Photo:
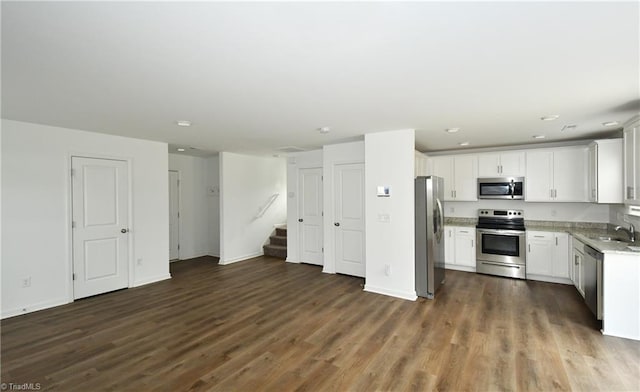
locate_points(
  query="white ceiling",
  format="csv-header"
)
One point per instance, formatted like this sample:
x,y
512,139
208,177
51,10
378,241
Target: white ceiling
x,y
255,77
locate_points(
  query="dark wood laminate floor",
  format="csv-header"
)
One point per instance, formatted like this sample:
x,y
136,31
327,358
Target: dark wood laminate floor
x,y
264,324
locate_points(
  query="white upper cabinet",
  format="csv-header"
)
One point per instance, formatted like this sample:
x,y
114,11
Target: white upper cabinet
x,y
538,183
460,173
570,174
558,174
606,171
420,164
631,142
506,164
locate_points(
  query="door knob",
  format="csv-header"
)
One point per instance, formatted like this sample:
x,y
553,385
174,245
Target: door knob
x,y
123,231
300,220
337,224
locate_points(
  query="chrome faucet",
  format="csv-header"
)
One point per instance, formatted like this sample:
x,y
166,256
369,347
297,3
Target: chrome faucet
x,y
631,231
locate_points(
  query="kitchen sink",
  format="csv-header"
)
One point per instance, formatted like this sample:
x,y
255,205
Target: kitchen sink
x,y
609,239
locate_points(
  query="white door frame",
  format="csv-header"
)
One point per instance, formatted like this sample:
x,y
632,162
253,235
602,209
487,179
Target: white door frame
x,y
299,245
179,212
335,218
69,200
330,211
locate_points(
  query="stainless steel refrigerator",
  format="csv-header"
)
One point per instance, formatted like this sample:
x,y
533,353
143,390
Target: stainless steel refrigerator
x,y
429,196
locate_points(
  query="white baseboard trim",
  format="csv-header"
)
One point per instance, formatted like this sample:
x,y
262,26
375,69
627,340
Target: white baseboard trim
x,y
240,258
288,260
550,279
408,295
150,280
459,268
34,307
193,255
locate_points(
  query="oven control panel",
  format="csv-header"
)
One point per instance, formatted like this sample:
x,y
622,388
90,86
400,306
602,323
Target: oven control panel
x,y
502,214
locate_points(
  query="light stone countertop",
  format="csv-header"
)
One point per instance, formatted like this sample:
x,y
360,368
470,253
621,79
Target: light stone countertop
x,y
583,231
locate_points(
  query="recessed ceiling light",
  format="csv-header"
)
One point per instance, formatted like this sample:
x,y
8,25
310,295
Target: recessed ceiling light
x,y
463,144
184,123
452,130
539,136
570,126
324,129
550,117
181,150
610,123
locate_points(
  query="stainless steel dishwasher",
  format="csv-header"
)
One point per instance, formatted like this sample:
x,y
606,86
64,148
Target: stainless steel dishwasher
x,y
593,280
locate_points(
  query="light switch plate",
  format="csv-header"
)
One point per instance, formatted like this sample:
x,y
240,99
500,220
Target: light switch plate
x,y
384,191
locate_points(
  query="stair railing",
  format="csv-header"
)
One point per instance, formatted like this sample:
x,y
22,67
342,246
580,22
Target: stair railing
x,y
268,204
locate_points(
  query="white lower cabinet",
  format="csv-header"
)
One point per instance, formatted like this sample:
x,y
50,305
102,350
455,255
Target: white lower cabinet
x,y
577,265
460,248
548,256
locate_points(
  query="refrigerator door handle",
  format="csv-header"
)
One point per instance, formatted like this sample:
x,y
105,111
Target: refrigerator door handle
x,y
438,220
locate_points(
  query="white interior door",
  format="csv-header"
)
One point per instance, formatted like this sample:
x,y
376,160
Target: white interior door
x,y
310,220
174,215
100,204
349,219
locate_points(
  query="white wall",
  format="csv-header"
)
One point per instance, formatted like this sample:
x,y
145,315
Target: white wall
x,y
246,184
389,161
213,204
194,219
332,155
295,162
36,206
565,212
619,216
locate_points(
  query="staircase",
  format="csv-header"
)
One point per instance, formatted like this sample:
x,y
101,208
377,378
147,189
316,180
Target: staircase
x,y
277,246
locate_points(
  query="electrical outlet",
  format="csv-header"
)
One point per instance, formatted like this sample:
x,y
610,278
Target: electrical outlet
x,y
387,269
139,261
26,282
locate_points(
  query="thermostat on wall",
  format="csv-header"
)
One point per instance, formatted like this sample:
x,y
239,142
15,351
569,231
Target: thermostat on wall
x,y
384,191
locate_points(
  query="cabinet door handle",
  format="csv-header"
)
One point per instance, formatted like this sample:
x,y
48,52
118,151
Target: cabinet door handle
x,y
463,231
529,248
472,243
538,236
556,241
551,193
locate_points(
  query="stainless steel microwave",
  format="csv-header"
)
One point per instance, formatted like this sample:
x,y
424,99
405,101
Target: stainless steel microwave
x,y
509,188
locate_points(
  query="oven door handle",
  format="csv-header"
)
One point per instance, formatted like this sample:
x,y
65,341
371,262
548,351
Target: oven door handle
x,y
498,231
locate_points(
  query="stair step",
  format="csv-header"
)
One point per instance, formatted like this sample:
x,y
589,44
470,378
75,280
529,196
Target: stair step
x,y
278,251
278,240
281,231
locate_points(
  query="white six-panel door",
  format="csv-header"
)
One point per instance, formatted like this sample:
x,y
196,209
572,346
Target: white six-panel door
x,y
174,215
100,210
310,219
349,219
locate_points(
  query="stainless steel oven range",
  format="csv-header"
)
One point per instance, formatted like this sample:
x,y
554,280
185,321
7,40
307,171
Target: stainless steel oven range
x,y
501,243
